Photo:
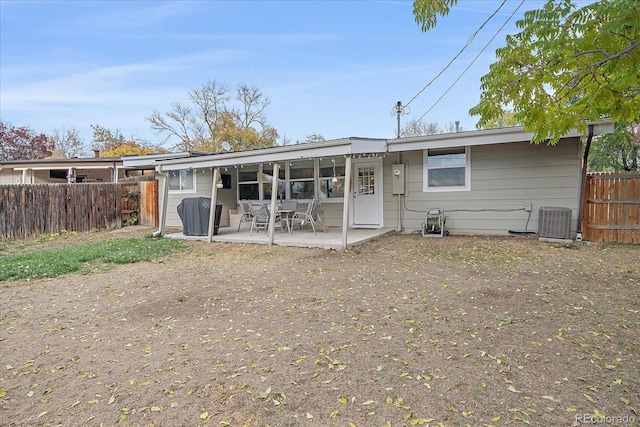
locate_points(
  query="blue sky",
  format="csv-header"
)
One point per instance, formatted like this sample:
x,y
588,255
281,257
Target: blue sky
x,y
336,68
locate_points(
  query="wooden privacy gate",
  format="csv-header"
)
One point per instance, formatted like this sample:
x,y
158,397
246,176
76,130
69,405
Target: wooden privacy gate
x,y
612,207
140,202
30,210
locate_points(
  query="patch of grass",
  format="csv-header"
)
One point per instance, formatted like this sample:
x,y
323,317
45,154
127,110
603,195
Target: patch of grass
x,y
55,262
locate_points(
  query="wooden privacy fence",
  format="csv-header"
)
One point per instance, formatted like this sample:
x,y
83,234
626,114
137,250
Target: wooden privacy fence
x,y
30,210
612,207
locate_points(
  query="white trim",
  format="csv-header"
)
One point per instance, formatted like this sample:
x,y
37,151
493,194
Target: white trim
x,y
425,174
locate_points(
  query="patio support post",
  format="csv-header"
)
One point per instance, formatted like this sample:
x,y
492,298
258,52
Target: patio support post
x,y
164,181
347,200
214,201
274,199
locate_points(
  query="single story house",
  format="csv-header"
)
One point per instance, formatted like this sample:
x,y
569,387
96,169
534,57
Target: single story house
x,y
489,182
52,171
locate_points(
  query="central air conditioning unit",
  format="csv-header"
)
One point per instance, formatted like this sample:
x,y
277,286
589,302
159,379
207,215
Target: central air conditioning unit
x,y
554,222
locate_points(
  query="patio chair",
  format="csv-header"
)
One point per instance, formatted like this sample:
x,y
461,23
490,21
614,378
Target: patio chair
x,y
260,218
247,216
312,216
289,205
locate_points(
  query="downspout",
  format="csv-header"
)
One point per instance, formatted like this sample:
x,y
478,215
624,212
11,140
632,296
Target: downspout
x,y
583,183
163,203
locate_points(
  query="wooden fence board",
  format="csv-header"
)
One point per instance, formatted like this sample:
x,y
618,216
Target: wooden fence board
x,y
612,207
30,210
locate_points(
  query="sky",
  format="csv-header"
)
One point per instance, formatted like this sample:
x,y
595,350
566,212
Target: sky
x,y
333,68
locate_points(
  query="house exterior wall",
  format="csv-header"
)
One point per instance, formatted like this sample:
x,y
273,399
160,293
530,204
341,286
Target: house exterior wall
x,y
204,177
503,178
10,176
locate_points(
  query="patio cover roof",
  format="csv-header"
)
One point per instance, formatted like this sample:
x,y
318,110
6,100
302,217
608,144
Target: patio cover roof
x,y
337,147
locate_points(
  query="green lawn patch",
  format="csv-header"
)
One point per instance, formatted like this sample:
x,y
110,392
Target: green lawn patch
x,y
55,262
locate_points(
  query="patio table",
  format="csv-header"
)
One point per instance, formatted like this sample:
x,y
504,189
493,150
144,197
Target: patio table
x,y
286,218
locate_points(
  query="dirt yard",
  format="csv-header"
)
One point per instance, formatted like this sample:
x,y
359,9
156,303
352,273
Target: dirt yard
x,y
401,331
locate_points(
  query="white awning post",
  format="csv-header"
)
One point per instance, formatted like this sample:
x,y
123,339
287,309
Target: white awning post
x,y
214,201
347,198
274,199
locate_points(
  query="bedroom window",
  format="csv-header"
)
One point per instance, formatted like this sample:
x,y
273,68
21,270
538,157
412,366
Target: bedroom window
x,y
446,169
182,180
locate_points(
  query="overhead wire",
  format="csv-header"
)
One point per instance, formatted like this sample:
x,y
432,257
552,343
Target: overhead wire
x,y
473,36
473,61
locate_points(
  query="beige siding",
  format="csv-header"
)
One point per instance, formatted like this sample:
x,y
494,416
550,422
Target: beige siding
x,y
503,177
9,176
203,189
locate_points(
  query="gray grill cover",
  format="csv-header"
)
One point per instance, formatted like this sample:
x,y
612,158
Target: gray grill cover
x,y
194,214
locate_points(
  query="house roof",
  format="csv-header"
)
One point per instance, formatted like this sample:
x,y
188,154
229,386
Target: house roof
x,y
336,147
479,137
47,164
343,147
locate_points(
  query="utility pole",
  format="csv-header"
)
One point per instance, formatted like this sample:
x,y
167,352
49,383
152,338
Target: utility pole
x,y
398,114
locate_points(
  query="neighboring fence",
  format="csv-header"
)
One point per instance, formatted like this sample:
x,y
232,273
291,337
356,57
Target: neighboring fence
x,y
30,210
612,207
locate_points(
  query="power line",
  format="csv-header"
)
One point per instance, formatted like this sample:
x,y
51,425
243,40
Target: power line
x,y
472,62
473,36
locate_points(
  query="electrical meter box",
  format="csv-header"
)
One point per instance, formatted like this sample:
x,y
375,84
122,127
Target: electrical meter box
x,y
397,180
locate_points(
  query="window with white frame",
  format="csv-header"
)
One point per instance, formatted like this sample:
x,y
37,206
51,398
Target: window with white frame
x,y
302,179
182,180
297,179
248,184
446,169
267,182
331,173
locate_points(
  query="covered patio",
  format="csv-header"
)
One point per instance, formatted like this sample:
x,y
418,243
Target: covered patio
x,y
305,173
331,238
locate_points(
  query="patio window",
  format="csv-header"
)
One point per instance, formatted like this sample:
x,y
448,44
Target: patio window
x,y
330,187
182,180
248,185
267,182
446,169
302,180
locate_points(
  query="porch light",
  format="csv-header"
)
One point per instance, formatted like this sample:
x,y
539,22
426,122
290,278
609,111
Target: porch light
x,y
335,178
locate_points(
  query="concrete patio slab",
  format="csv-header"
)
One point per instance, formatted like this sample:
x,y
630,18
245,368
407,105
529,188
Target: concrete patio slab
x,y
329,239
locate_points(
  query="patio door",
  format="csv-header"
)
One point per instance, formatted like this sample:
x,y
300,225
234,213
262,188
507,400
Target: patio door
x,y
367,194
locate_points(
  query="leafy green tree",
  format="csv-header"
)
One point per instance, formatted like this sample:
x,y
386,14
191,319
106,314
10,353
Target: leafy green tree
x,y
210,119
568,65
618,151
504,121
